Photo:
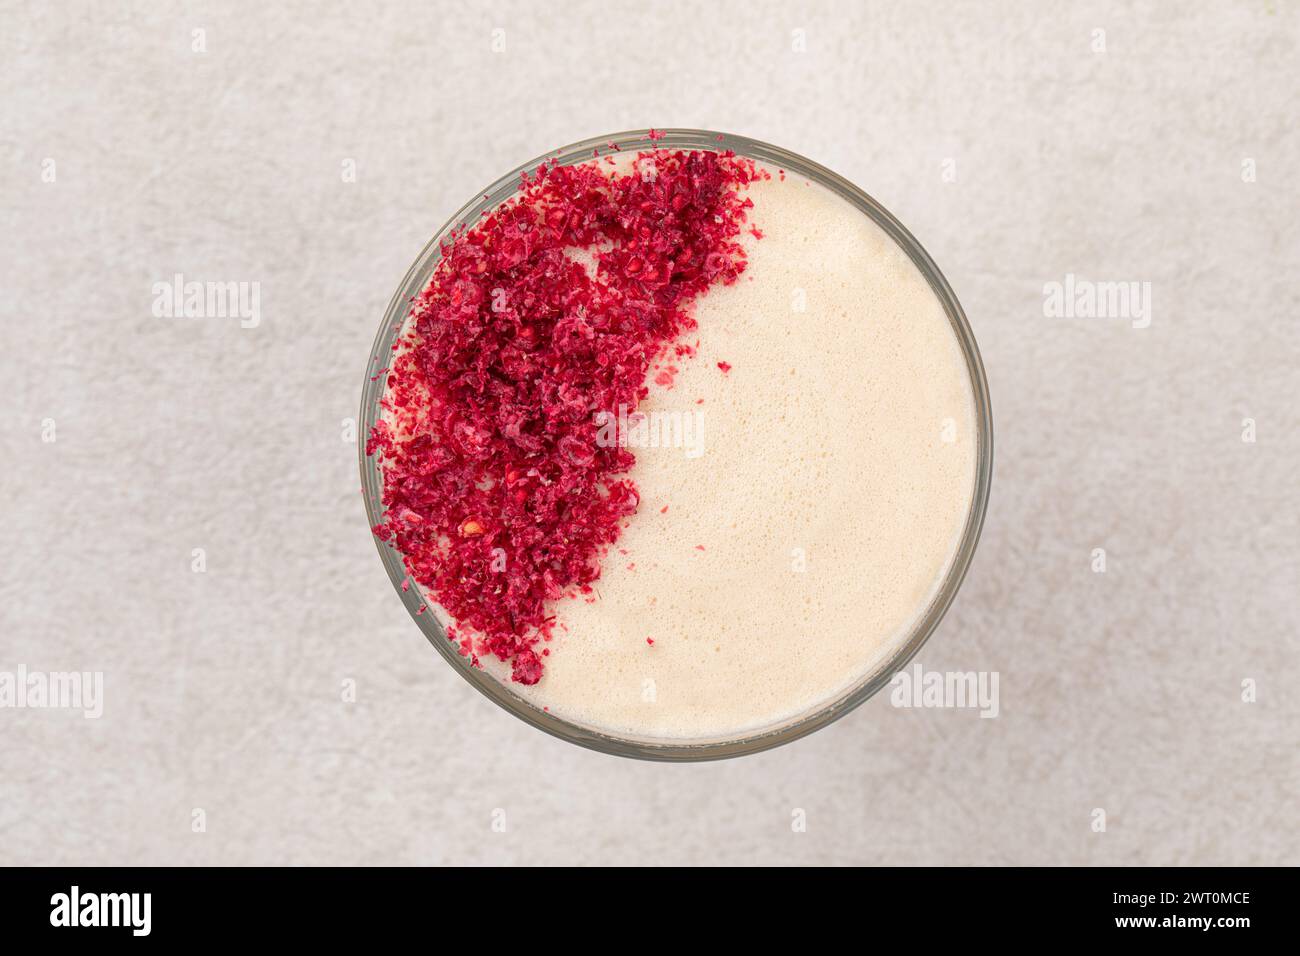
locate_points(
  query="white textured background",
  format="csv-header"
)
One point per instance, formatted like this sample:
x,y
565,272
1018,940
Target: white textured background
x,y
1119,690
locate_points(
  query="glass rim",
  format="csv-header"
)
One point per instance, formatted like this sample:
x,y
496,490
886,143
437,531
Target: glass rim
x,y
418,276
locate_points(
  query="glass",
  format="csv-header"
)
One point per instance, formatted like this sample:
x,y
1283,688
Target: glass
x,y
418,276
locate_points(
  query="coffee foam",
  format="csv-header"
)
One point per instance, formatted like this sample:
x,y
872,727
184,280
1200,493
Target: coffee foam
x,y
823,449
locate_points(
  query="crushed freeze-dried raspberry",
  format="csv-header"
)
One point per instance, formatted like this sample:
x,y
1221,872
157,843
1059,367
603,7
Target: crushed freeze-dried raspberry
x,y
725,366
496,490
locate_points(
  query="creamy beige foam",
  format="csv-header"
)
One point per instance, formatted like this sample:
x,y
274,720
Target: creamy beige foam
x,y
823,449
827,500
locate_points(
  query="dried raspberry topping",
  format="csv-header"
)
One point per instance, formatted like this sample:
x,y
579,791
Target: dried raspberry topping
x,y
496,490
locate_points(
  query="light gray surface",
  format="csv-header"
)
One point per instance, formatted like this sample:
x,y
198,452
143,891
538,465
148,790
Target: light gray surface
x,y
1119,691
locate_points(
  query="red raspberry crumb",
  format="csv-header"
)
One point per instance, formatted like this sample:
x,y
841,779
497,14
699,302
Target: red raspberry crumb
x,y
725,366
496,490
